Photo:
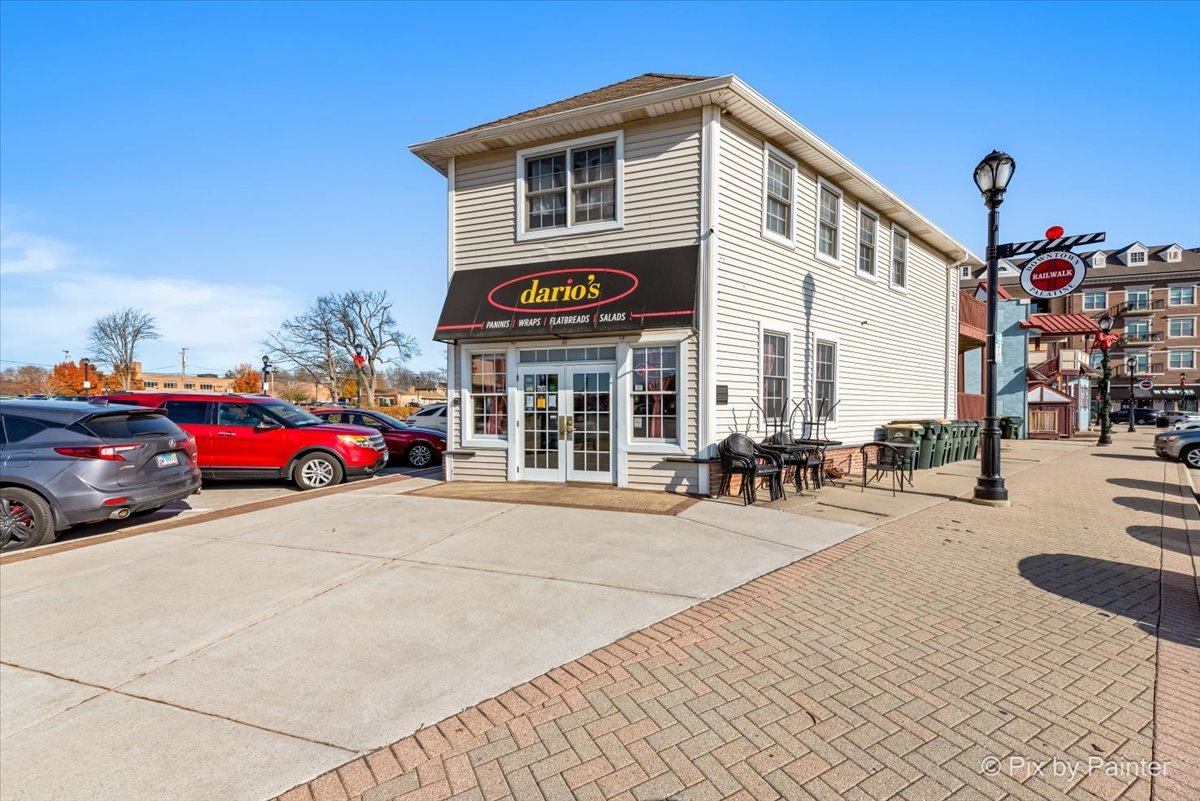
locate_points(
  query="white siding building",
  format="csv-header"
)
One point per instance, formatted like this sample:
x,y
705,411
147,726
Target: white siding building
x,y
638,271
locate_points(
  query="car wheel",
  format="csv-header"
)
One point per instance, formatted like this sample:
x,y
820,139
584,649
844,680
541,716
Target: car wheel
x,y
317,470
419,454
1191,457
25,519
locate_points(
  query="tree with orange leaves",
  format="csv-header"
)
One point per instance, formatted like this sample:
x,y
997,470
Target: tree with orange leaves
x,y
245,379
67,379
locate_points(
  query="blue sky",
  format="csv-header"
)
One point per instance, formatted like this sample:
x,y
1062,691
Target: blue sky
x,y
222,164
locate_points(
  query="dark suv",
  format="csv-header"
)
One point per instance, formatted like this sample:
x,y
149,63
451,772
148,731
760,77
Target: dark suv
x,y
63,463
255,436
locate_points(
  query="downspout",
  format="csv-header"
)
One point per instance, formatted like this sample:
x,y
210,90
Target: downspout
x,y
709,198
452,391
950,403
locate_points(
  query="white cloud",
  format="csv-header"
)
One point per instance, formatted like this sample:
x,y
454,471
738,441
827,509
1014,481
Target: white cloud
x,y
23,252
48,299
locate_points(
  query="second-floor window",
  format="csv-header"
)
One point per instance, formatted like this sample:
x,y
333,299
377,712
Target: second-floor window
x,y
1141,362
829,222
777,213
1183,295
899,258
1137,299
1095,300
575,187
1182,327
1137,330
1181,359
868,232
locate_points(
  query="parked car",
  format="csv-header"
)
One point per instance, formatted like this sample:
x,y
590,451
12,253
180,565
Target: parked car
x,y
64,463
419,447
1179,445
1168,419
1141,417
255,436
1186,425
431,416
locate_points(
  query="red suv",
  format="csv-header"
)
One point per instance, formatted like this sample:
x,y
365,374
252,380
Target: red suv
x,y
254,436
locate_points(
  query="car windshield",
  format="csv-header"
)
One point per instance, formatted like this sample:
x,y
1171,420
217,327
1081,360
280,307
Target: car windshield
x,y
292,415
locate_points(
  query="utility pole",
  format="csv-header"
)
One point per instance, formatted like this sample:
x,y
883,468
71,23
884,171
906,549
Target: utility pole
x,y
182,365
66,355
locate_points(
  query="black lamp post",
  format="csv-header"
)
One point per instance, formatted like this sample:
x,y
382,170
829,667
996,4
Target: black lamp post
x,y
1131,366
1106,323
266,375
359,361
87,383
992,176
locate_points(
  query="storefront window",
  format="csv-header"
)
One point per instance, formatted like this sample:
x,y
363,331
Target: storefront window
x,y
655,393
489,394
826,376
774,372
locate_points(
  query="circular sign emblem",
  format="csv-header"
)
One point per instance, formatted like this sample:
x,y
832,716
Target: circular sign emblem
x,y
1146,383
1053,274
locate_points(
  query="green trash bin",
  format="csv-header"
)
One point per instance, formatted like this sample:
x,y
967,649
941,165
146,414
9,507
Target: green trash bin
x,y
958,441
913,432
925,454
1006,427
1015,423
973,440
941,444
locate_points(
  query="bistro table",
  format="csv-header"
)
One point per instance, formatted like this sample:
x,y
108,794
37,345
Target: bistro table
x,y
794,453
900,457
820,446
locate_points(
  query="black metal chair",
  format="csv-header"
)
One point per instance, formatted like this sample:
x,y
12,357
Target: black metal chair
x,y
742,456
814,430
887,457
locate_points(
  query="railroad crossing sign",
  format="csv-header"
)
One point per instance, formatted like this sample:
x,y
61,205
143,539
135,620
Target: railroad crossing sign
x,y
1038,246
1146,384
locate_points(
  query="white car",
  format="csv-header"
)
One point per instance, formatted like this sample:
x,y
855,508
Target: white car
x,y
431,416
1171,419
1186,425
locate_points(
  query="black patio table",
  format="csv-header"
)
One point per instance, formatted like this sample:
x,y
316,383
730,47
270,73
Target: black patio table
x,y
820,445
790,451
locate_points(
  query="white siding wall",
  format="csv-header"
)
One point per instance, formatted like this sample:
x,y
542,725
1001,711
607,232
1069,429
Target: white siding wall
x,y
662,200
661,210
892,358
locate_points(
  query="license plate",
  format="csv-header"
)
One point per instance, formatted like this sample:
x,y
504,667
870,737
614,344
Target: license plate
x,y
167,459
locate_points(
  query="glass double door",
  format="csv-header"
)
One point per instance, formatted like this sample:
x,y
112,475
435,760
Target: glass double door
x,y
566,423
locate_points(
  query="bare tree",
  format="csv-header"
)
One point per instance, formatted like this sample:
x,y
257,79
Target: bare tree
x,y
321,341
114,340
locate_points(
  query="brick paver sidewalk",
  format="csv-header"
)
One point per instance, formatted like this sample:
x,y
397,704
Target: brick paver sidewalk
x,y
962,652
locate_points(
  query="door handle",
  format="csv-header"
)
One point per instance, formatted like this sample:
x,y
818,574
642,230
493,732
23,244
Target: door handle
x,y
226,434
570,425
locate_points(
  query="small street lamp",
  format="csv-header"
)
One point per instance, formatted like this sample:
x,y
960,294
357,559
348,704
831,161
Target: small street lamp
x,y
360,361
1131,366
1106,323
266,375
87,384
992,176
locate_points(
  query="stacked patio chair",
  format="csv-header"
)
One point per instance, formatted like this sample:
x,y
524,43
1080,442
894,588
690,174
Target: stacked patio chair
x,y
742,456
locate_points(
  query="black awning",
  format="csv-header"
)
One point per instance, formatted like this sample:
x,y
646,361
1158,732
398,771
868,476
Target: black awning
x,y
596,294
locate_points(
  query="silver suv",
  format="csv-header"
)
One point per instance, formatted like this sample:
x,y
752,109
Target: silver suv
x,y
63,463
1180,445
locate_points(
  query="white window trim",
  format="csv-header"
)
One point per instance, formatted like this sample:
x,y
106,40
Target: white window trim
x,y
1099,261
1181,286
770,152
523,234
466,403
833,339
1174,254
766,326
1171,351
866,211
822,184
1181,336
907,259
626,444
1129,256
1086,292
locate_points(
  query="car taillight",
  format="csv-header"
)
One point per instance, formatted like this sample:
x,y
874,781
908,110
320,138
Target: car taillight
x,y
109,453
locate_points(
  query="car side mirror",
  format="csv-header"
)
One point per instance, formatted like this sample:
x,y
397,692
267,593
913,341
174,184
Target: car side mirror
x,y
267,425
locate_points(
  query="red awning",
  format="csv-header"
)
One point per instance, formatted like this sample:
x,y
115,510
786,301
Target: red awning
x,y
1062,324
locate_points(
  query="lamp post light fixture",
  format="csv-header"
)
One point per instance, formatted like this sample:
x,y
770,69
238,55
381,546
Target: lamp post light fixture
x,y
87,383
266,375
1131,366
992,176
1106,323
